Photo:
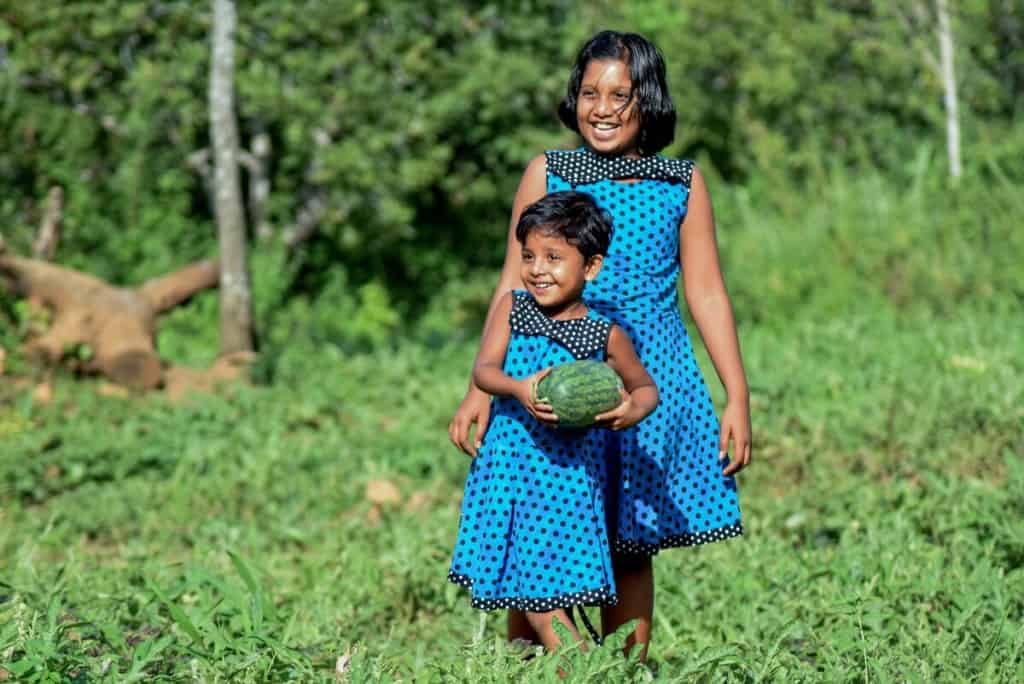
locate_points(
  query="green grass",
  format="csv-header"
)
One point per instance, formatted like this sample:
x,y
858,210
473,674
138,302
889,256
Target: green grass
x,y
231,539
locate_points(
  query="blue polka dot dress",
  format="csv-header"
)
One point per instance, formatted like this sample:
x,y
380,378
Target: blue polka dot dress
x,y
666,486
532,531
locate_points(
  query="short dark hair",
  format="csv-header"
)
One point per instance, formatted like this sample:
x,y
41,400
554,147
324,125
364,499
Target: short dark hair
x,y
572,215
646,71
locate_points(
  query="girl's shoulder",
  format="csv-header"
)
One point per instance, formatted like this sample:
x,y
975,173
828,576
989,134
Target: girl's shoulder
x,y
582,166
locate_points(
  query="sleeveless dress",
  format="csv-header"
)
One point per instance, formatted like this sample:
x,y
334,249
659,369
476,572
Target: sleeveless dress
x,y
532,531
666,486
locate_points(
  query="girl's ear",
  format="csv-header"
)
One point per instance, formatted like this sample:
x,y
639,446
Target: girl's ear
x,y
593,267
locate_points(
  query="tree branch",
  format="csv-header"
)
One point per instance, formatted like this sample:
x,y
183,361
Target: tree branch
x,y
45,244
307,220
256,162
309,215
168,291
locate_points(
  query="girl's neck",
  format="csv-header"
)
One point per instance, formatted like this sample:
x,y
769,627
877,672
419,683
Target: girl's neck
x,y
633,153
566,312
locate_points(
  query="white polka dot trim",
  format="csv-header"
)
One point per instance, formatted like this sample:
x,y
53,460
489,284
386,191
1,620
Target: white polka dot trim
x,y
583,337
602,596
583,166
639,548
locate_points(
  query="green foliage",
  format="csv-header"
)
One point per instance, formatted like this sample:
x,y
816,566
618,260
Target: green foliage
x,y
229,632
795,88
383,108
881,513
188,335
881,509
868,238
102,98
413,121
231,538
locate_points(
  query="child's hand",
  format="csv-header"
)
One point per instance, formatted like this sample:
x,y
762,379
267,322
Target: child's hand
x,y
475,408
735,427
526,393
625,415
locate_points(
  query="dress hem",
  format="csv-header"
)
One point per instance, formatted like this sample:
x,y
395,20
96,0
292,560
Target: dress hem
x,y
602,596
640,548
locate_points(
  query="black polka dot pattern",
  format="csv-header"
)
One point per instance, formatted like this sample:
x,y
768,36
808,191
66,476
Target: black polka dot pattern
x,y
584,337
583,166
533,529
665,482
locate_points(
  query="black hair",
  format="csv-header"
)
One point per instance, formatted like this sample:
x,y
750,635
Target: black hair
x,y
650,87
572,215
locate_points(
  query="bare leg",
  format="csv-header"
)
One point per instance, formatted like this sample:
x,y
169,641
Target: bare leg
x,y
634,579
543,626
519,627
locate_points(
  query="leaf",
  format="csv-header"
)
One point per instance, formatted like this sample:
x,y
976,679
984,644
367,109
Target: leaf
x,y
255,591
177,613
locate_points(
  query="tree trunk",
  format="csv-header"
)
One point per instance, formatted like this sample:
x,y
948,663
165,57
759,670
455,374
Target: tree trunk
x,y
235,291
949,87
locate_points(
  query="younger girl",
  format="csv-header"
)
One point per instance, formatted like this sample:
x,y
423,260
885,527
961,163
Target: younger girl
x,y
670,482
532,535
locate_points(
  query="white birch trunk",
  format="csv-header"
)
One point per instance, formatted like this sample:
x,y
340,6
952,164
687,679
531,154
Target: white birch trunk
x,y
949,87
235,291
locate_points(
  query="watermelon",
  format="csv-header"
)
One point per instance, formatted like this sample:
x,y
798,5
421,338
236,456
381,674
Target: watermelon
x,y
580,390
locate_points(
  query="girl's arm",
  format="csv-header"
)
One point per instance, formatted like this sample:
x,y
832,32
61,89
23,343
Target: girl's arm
x,y
641,395
532,186
475,406
487,371
709,304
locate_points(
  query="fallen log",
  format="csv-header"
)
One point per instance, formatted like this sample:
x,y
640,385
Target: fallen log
x,y
118,324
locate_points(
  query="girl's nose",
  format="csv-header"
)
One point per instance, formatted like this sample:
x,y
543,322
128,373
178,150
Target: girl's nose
x,y
604,107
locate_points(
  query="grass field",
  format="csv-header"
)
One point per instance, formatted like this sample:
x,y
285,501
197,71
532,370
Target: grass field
x,y
232,539
264,534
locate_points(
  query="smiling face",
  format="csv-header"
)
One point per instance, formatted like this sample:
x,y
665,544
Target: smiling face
x,y
607,112
555,272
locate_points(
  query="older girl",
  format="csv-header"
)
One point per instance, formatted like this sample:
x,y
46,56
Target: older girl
x,y
670,478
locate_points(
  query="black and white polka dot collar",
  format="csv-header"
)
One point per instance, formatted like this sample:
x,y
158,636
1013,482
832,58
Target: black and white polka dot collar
x,y
583,337
582,166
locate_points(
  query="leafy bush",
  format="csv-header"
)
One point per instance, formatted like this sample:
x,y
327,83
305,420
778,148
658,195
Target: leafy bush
x,y
412,122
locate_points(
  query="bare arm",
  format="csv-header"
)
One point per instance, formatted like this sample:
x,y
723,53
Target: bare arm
x,y
488,371
641,395
532,186
709,304
475,406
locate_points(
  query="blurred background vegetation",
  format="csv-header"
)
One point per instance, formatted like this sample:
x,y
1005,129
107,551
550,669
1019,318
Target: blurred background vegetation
x,y
410,123
284,530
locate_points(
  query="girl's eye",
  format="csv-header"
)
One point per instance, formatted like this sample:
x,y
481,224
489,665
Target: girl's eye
x,y
621,96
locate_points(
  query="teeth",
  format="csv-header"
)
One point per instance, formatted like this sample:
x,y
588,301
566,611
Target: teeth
x,y
605,127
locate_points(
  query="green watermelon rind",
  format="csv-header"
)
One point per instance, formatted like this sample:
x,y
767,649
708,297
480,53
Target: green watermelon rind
x,y
579,390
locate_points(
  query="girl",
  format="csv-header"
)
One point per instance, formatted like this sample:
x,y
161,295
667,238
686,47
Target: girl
x,y
532,535
666,486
